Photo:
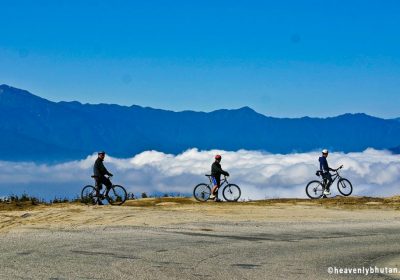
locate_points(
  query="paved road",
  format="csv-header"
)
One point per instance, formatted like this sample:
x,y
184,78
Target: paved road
x,y
241,250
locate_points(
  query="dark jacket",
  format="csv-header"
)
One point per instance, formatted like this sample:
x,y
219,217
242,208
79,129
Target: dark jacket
x,y
99,169
323,165
216,170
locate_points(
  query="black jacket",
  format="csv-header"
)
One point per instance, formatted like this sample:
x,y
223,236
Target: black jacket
x,y
323,165
216,170
99,169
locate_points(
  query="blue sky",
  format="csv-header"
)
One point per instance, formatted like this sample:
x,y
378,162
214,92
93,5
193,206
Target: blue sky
x,y
282,58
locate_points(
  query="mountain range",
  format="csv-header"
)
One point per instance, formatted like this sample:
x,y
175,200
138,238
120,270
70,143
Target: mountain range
x,y
35,129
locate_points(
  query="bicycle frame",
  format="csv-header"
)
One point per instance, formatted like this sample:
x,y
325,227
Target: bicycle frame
x,y
221,184
99,186
334,177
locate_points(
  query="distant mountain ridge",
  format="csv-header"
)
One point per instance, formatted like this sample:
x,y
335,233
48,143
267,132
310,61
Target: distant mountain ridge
x,y
36,129
395,150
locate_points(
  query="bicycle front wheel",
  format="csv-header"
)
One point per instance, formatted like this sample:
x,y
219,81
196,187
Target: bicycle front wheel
x,y
344,187
231,192
314,190
202,192
88,195
116,195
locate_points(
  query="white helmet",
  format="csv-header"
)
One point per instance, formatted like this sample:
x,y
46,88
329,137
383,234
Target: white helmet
x,y
325,151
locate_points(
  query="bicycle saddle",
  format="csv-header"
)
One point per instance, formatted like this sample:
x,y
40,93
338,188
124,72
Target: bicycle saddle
x,y
208,175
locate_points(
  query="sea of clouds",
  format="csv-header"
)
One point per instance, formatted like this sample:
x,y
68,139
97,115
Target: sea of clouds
x,y
259,174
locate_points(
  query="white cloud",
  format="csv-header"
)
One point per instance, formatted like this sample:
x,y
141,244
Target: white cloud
x,y
260,175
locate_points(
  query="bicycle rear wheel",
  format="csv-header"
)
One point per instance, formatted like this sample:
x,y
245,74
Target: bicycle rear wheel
x,y
231,192
202,192
116,195
344,187
88,195
314,190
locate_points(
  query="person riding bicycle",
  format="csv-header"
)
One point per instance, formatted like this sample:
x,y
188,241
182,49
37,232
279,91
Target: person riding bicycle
x,y
216,172
99,172
324,168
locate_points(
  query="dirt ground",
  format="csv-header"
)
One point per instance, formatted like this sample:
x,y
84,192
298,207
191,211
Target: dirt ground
x,y
159,212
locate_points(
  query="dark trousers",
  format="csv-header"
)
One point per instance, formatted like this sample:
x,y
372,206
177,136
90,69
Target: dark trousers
x,y
103,180
328,178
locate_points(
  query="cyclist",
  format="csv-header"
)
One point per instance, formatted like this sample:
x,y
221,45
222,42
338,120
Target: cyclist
x,y
324,168
216,172
99,171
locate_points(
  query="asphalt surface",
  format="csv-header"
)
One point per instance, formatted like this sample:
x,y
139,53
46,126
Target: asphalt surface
x,y
229,250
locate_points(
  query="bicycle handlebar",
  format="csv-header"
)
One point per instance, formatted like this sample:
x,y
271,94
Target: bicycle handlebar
x,y
319,172
337,169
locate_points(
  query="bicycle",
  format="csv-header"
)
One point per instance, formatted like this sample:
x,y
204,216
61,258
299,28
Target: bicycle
x,y
115,195
315,189
230,192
